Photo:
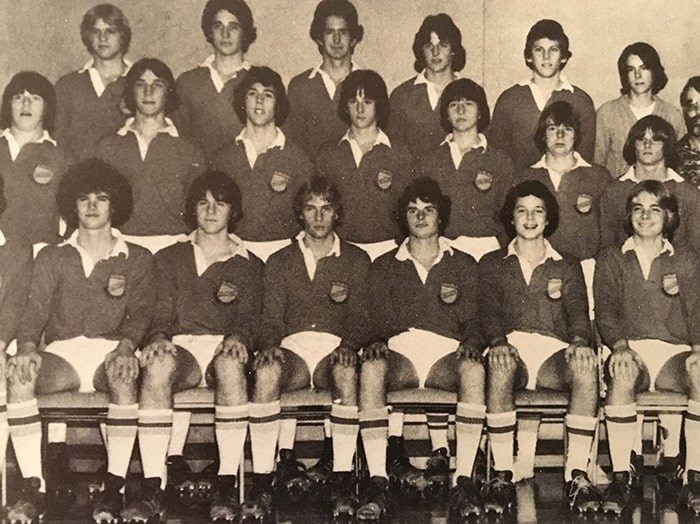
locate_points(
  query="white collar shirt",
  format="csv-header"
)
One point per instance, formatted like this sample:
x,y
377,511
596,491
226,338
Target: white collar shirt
x,y
555,176
328,83
200,260
14,146
525,267
357,153
433,94
644,261
169,129
96,80
403,254
456,153
309,259
120,248
251,153
216,79
538,96
670,175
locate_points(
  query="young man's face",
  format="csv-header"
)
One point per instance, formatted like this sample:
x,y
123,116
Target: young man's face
x,y
559,139
649,152
362,111
319,217
463,114
423,219
27,111
691,111
437,54
546,58
647,216
640,78
529,217
260,102
94,210
226,34
212,214
336,42
105,41
150,94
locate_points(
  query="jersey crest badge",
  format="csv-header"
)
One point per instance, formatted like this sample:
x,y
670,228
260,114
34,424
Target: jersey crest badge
x,y
279,182
448,293
584,203
116,285
42,175
554,288
384,179
671,287
483,180
339,292
227,292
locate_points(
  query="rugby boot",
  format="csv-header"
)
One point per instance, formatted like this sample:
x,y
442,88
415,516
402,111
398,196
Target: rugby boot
x,y
480,467
374,499
59,488
618,496
669,478
498,493
225,505
465,500
636,472
206,484
149,505
320,473
690,493
291,481
581,494
258,506
343,500
437,473
404,476
108,503
29,507
181,488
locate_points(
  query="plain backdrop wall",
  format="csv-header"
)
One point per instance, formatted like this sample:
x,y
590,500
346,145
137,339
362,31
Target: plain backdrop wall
x,y
43,35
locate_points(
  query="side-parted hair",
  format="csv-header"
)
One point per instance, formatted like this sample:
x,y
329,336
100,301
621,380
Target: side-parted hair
x,y
268,78
237,8
443,26
552,30
94,176
558,113
159,69
692,83
33,83
340,8
666,200
318,186
660,130
427,190
529,188
464,88
373,87
110,15
650,58
222,187
3,202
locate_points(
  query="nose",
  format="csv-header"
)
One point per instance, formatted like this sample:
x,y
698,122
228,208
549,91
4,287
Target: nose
x,y
336,37
637,73
435,50
360,108
102,36
420,214
560,132
26,101
318,215
647,141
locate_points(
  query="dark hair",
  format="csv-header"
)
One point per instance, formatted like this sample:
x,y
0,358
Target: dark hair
x,y
528,188
374,88
110,15
3,202
694,83
660,130
557,113
222,187
268,78
94,176
552,30
340,8
237,8
667,201
650,58
33,83
443,26
428,190
464,88
322,187
159,69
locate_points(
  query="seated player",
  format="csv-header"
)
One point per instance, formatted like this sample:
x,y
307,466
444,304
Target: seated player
x,y
473,173
416,111
534,315
159,165
425,326
366,167
209,294
689,146
91,299
315,318
646,295
267,167
30,161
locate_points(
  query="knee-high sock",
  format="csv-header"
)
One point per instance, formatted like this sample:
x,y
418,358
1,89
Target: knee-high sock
x,y
580,431
692,435
25,430
527,434
344,429
178,437
264,424
672,423
621,424
374,428
122,423
327,433
469,424
155,426
437,428
396,419
230,425
288,432
501,428
4,428
638,434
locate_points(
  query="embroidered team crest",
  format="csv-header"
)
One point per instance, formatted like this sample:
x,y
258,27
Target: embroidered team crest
x,y
584,203
116,285
483,180
227,292
671,287
384,179
42,175
339,292
554,288
448,293
279,182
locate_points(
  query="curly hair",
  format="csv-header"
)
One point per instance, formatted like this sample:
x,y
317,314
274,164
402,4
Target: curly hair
x,y
529,188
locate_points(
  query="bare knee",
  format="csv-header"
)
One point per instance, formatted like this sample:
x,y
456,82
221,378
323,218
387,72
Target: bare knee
x,y
267,383
345,381
159,373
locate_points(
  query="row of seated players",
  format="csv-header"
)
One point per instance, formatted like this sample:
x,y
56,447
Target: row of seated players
x,y
206,311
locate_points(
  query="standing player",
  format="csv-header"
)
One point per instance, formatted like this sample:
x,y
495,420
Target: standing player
x,y
206,115
689,146
90,297
313,94
519,107
89,100
641,78
158,164
369,171
424,313
473,173
415,115
267,167
534,315
315,311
